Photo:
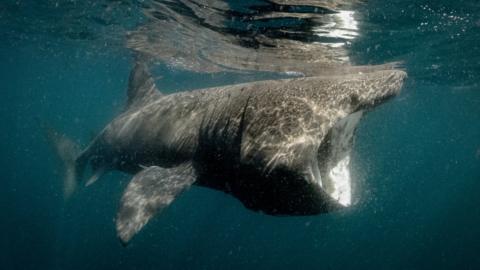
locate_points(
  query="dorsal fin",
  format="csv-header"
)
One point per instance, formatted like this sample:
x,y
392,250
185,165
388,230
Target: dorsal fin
x,y
141,85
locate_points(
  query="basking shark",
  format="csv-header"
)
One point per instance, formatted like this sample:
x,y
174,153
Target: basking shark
x,y
281,147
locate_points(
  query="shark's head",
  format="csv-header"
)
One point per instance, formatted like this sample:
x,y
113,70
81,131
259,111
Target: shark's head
x,y
368,90
362,92
307,161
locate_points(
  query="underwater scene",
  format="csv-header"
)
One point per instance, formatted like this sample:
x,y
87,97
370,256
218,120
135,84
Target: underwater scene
x,y
255,134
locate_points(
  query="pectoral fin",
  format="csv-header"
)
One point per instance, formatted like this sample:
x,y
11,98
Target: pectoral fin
x,y
150,190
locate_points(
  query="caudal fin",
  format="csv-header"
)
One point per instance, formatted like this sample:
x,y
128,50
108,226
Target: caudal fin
x,y
68,152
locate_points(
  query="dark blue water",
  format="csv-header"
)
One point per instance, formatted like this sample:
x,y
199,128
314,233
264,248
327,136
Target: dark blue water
x,y
419,155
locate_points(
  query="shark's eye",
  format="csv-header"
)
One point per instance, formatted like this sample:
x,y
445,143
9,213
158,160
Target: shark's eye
x,y
354,100
351,100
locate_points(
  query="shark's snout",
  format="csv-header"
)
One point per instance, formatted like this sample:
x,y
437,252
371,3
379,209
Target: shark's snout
x,y
395,81
379,87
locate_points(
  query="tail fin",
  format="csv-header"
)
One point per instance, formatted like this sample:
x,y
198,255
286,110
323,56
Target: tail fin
x,y
68,152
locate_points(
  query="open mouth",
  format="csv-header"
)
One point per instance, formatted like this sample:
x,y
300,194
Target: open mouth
x,y
334,159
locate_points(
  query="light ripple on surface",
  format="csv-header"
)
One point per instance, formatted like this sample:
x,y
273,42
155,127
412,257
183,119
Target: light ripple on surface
x,y
293,37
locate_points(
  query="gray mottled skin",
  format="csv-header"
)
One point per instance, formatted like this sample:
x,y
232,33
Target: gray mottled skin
x,y
260,141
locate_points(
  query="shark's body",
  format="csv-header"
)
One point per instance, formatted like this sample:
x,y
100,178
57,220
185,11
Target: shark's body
x,y
280,146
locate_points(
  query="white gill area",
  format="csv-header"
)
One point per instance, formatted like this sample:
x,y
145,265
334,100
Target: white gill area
x,y
338,168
